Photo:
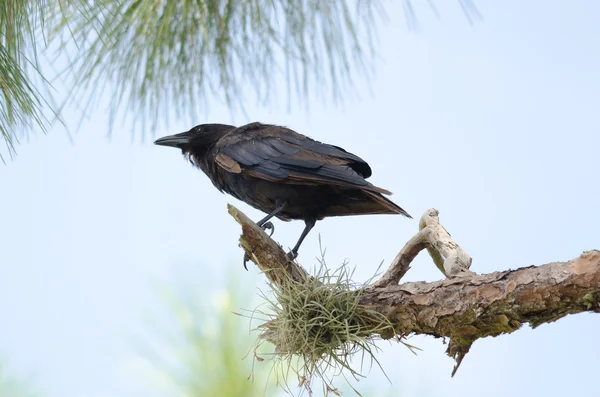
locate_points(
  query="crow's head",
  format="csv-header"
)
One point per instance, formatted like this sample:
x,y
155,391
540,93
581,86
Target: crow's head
x,y
196,139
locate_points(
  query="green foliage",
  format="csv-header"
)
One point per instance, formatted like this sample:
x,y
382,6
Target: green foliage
x,y
204,355
10,386
21,103
169,55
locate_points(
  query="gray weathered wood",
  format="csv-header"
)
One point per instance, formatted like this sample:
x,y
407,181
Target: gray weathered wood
x,y
445,252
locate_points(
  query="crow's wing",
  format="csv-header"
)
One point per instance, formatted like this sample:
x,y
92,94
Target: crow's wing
x,y
281,155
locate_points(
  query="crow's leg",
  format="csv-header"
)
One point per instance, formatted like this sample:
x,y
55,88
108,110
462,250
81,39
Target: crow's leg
x,y
265,225
310,223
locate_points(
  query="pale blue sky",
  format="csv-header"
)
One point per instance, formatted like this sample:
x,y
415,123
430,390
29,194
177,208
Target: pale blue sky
x,y
495,125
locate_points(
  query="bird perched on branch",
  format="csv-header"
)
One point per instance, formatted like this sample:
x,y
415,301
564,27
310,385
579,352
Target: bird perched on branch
x,y
283,173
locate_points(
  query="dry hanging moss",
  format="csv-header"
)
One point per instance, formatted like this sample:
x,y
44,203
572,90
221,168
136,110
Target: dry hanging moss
x,y
318,327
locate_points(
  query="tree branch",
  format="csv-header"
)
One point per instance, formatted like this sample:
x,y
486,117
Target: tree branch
x,y
446,254
465,306
264,252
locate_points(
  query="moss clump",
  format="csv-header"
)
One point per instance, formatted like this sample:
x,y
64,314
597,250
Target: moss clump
x,y
317,326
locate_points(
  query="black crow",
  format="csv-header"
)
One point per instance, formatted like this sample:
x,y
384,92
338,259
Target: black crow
x,y
283,173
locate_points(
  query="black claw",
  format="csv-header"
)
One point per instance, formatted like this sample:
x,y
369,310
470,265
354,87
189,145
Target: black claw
x,y
292,255
246,259
268,225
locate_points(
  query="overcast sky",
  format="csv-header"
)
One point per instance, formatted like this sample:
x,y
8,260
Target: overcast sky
x,y
495,125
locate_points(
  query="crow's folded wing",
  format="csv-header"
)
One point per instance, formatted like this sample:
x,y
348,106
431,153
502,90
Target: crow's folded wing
x,y
286,157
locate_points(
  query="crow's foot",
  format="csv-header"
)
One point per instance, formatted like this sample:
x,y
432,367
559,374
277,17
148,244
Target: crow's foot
x,y
246,259
266,226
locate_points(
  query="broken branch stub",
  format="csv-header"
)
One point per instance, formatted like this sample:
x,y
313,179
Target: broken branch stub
x,y
445,252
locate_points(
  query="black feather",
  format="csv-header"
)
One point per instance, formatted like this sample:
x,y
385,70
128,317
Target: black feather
x,y
283,173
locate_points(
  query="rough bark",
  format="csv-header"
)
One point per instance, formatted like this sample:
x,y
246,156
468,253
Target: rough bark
x,y
465,306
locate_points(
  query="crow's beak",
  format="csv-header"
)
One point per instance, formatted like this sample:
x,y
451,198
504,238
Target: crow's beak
x,y
178,140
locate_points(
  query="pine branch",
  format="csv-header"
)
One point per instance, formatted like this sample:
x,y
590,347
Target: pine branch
x,y
465,306
158,57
